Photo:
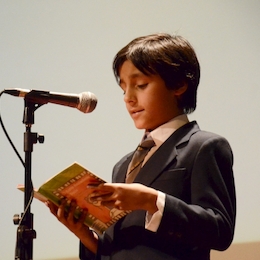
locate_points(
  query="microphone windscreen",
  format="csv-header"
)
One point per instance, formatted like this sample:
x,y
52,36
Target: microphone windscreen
x,y
87,102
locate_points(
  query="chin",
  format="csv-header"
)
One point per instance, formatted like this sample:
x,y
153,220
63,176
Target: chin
x,y
142,126
139,126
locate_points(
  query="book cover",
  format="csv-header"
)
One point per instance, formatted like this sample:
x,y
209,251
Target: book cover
x,y
73,183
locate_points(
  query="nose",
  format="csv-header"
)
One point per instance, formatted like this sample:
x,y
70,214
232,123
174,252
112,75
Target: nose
x,y
129,95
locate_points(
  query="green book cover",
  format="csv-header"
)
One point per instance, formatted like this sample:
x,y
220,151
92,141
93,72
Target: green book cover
x,y
72,183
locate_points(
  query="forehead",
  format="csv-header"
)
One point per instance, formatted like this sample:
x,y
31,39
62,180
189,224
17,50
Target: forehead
x,y
129,71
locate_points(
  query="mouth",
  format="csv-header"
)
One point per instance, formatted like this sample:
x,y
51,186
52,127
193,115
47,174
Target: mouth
x,y
136,113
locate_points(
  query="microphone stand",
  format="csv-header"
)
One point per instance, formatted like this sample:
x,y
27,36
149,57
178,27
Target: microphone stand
x,y
25,231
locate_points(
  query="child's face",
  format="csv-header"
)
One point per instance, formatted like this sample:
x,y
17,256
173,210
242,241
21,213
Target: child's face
x,y
148,101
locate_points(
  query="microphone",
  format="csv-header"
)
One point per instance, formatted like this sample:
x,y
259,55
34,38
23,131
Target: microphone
x,y
85,102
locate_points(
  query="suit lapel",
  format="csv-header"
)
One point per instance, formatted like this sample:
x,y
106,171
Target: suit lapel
x,y
165,154
121,168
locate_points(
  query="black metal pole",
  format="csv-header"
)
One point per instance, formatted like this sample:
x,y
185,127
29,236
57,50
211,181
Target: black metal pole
x,y
25,231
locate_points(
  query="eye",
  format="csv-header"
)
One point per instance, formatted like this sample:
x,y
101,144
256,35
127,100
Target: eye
x,y
142,85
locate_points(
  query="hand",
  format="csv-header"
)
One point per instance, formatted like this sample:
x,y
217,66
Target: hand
x,y
76,226
132,196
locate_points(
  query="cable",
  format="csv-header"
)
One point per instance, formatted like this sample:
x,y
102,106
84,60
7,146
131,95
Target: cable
x,y
27,207
20,158
9,139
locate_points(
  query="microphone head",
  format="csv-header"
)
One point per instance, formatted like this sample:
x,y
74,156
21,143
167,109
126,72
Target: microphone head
x,y
87,102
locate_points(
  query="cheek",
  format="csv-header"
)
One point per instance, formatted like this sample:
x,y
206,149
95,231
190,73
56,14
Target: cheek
x,y
161,108
155,103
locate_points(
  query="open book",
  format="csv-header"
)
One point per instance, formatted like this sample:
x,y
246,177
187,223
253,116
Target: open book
x,y
73,183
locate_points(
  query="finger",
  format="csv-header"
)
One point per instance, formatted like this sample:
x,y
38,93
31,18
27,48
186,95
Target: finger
x,y
82,216
109,204
71,211
96,197
61,212
94,185
53,208
107,187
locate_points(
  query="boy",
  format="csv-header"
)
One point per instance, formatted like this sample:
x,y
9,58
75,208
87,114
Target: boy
x,y
183,197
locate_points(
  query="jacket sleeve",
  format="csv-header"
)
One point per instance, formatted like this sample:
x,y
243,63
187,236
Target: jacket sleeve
x,y
207,219
85,254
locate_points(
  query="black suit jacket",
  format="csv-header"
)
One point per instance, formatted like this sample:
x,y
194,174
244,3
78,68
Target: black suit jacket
x,y
194,169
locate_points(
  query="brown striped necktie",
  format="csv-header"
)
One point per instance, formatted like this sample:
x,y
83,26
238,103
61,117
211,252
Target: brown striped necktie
x,y
138,158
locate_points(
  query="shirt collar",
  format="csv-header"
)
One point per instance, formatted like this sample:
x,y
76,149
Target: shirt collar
x,y
163,132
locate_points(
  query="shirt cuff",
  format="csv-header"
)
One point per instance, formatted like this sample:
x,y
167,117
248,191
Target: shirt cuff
x,y
152,221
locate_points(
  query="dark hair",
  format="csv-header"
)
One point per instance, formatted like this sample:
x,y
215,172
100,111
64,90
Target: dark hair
x,y
171,57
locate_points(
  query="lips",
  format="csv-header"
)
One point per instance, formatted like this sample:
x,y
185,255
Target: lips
x,y
135,112
132,112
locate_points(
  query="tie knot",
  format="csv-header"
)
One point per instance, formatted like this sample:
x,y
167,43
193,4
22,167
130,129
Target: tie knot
x,y
147,143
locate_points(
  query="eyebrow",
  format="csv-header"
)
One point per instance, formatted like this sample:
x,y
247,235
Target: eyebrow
x,y
133,76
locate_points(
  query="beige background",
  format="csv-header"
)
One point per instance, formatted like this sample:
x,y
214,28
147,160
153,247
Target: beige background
x,y
68,46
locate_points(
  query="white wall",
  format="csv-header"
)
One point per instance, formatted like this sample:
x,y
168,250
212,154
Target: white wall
x,y
68,46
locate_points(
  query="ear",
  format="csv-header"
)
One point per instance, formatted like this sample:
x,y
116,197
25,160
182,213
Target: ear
x,y
179,91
